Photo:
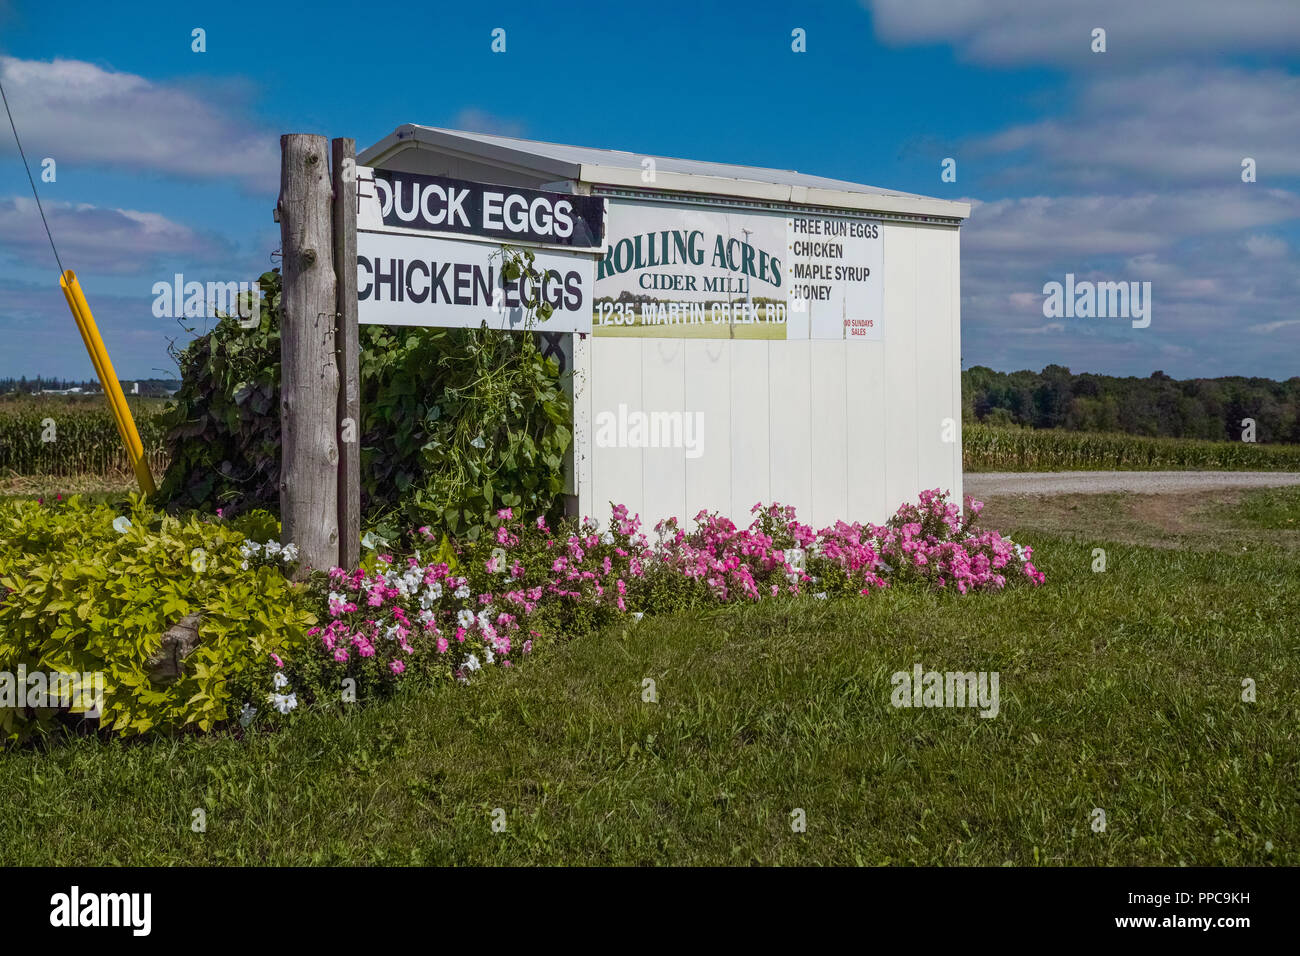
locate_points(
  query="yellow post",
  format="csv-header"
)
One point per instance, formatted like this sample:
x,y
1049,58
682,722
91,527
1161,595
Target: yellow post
x,y
108,379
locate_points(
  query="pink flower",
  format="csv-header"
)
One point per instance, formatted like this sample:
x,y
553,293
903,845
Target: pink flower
x,y
396,666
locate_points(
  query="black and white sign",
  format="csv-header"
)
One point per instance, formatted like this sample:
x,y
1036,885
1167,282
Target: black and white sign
x,y
428,281
410,202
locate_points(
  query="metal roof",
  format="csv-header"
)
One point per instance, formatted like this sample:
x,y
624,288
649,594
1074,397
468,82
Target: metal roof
x,y
623,169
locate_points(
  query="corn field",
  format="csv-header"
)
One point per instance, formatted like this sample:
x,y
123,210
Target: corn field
x,y
987,448
64,439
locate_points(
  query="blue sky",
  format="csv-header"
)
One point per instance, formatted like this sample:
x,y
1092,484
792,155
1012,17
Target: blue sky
x,y
1123,165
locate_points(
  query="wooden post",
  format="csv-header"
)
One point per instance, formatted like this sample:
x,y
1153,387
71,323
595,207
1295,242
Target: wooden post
x,y
344,153
309,378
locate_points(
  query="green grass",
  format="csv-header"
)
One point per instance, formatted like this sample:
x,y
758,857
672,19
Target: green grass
x,y
1119,690
1271,508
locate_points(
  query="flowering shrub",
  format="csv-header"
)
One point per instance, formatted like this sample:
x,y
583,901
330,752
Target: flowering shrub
x,y
449,617
933,542
92,588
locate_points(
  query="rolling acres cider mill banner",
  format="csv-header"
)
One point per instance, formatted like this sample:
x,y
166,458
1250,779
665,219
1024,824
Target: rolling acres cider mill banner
x,y
697,272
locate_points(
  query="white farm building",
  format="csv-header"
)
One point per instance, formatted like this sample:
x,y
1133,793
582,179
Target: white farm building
x,y
757,335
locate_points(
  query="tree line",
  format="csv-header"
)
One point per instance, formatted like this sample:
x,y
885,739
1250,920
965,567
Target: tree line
x,y
1209,408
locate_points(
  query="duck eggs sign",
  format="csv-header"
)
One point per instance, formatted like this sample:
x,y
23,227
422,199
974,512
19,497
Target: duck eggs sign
x,y
429,252
699,272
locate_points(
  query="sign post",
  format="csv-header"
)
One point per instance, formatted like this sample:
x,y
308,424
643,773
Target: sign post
x,y
344,169
309,378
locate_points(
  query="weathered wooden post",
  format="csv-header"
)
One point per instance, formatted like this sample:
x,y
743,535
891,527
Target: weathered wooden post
x,y
309,378
346,345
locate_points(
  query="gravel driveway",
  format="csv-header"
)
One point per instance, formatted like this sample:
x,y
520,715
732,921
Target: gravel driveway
x,y
990,483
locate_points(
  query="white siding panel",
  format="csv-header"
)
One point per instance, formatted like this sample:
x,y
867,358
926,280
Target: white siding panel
x,y
708,399
865,442
935,400
663,392
828,428
750,428
616,473
901,413
790,461
954,368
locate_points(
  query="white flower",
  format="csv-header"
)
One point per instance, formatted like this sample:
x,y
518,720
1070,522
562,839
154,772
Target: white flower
x,y
253,546
821,596
794,557
488,656
122,524
243,565
289,553
390,632
426,617
465,618
478,442
472,664
432,594
247,714
272,548
284,702
607,538
462,592
280,680
637,615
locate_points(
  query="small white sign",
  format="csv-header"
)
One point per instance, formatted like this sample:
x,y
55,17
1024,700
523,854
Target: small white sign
x,y
426,281
835,268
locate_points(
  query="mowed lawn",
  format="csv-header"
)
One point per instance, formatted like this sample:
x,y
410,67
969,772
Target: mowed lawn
x,y
1120,690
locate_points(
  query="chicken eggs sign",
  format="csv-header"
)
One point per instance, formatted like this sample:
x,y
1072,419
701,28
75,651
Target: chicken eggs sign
x,y
508,214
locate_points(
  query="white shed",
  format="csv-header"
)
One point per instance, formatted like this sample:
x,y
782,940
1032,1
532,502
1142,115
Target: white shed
x,y
759,334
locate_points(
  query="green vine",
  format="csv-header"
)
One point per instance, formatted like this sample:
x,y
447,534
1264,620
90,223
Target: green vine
x,y
455,423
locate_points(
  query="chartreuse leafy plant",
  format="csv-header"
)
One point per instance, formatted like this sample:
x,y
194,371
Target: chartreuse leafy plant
x,y
92,588
455,423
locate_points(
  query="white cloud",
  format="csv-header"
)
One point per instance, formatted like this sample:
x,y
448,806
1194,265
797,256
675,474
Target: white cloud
x,y
1266,247
474,120
1188,124
75,111
1270,327
1216,308
95,239
1060,32
1044,227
